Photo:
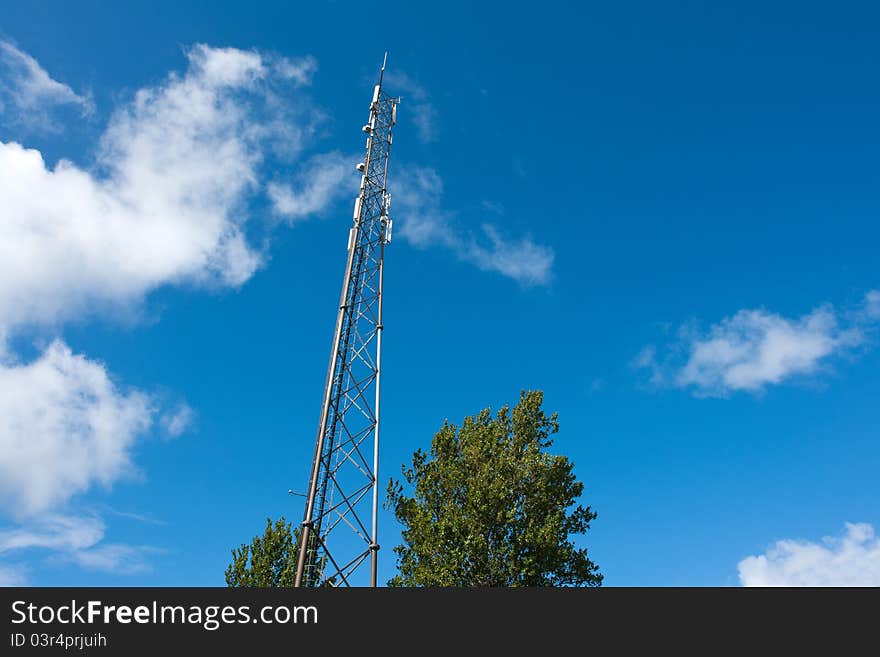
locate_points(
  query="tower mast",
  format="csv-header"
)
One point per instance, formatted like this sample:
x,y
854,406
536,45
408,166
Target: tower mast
x,y
339,528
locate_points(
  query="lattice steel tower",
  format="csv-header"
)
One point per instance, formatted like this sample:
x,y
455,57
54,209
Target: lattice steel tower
x,y
340,520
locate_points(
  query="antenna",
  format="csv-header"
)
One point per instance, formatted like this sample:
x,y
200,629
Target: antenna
x,y
382,70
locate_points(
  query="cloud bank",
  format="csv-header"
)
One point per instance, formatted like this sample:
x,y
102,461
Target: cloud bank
x,y
166,202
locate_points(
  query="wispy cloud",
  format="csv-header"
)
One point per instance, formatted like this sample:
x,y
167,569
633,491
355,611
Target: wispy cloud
x,y
54,532
322,180
852,559
425,222
872,304
29,93
116,558
176,421
77,539
754,349
493,206
417,103
12,575
521,259
138,517
301,70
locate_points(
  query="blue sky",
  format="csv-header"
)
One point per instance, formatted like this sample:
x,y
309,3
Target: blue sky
x,y
664,216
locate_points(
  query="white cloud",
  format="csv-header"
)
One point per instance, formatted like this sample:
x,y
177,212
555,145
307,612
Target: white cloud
x,y
493,206
872,304
418,103
647,359
755,348
751,350
424,222
54,532
76,539
64,426
166,204
425,119
117,558
522,260
31,92
850,560
323,179
12,575
177,421
130,515
300,70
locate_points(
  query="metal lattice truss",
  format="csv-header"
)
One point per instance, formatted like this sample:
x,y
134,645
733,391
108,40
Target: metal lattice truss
x,y
339,524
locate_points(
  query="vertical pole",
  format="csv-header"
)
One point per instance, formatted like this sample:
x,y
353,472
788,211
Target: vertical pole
x,y
374,545
305,535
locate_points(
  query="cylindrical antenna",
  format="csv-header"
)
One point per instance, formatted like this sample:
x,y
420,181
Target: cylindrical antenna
x,y
382,70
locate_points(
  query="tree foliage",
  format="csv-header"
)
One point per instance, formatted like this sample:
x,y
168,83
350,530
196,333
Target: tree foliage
x,y
490,506
270,559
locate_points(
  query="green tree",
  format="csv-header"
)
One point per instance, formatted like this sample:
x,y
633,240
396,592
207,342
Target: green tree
x,y
491,507
270,559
